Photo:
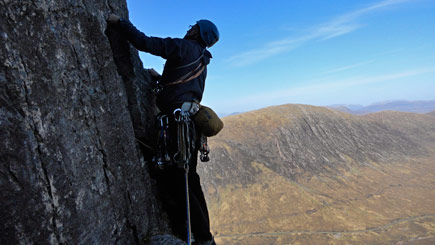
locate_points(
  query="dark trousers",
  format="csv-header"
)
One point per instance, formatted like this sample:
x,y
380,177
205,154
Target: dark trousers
x,y
172,192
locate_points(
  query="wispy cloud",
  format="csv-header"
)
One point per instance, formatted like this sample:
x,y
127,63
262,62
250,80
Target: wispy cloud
x,y
336,27
325,87
348,67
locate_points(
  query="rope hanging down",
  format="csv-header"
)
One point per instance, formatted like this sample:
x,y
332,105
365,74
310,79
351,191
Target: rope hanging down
x,y
185,143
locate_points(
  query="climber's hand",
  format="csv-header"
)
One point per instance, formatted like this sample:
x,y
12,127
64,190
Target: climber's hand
x,y
113,19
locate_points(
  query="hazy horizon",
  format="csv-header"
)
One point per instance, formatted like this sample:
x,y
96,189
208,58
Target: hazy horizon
x,y
351,107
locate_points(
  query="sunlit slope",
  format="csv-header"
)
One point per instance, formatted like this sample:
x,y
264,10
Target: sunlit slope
x,y
298,173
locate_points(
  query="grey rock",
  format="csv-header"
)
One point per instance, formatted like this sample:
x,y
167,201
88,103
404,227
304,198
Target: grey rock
x,y
70,168
165,239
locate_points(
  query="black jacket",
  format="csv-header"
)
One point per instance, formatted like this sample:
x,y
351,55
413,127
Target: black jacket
x,y
177,52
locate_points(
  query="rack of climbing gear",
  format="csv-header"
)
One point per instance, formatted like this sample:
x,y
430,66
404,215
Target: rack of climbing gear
x,y
185,138
162,157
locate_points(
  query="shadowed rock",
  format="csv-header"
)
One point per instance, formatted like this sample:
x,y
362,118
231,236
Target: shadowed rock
x,y
70,168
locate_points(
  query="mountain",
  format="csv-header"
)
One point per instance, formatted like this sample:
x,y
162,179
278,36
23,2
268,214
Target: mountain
x,y
396,105
313,175
228,114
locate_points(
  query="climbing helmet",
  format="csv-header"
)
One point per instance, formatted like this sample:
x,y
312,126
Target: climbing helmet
x,y
208,31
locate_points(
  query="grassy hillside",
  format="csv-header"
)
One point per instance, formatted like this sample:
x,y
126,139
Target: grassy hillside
x,y
310,175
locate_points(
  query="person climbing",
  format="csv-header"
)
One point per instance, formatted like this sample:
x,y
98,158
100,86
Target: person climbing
x,y
181,88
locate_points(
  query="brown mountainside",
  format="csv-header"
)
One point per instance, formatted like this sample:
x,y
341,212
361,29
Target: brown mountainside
x,y
298,173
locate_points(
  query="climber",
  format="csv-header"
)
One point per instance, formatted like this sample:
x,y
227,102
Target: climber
x,y
182,81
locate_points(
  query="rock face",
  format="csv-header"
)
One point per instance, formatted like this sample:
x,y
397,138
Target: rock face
x,y
71,171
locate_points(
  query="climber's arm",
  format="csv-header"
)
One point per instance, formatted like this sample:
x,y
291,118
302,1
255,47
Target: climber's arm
x,y
163,47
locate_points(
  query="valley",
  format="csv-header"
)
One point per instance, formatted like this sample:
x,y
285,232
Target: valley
x,y
327,188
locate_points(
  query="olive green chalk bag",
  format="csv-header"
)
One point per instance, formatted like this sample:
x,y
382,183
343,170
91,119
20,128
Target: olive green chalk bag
x,y
208,121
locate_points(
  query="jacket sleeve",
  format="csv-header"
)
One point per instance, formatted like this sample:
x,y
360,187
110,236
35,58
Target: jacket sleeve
x,y
163,47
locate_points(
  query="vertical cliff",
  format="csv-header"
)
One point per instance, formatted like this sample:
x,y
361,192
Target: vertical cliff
x,y
70,109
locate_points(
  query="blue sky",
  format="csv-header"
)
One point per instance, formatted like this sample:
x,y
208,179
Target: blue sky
x,y
304,52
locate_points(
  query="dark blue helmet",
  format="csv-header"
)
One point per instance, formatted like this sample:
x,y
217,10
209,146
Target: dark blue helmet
x,y
209,32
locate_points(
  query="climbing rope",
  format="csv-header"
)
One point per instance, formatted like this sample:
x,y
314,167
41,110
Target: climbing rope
x,y
185,144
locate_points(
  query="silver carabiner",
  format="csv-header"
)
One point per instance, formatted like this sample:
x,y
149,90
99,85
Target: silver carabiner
x,y
163,119
177,115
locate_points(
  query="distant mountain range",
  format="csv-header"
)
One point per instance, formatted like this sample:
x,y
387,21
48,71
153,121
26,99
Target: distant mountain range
x,y
422,106
396,105
299,174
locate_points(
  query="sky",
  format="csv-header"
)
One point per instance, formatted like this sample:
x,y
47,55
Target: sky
x,y
304,52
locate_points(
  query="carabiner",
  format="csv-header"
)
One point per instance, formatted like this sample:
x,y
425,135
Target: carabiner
x,y
177,115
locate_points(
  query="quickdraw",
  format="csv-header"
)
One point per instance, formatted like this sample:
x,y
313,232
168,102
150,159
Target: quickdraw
x,y
162,157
